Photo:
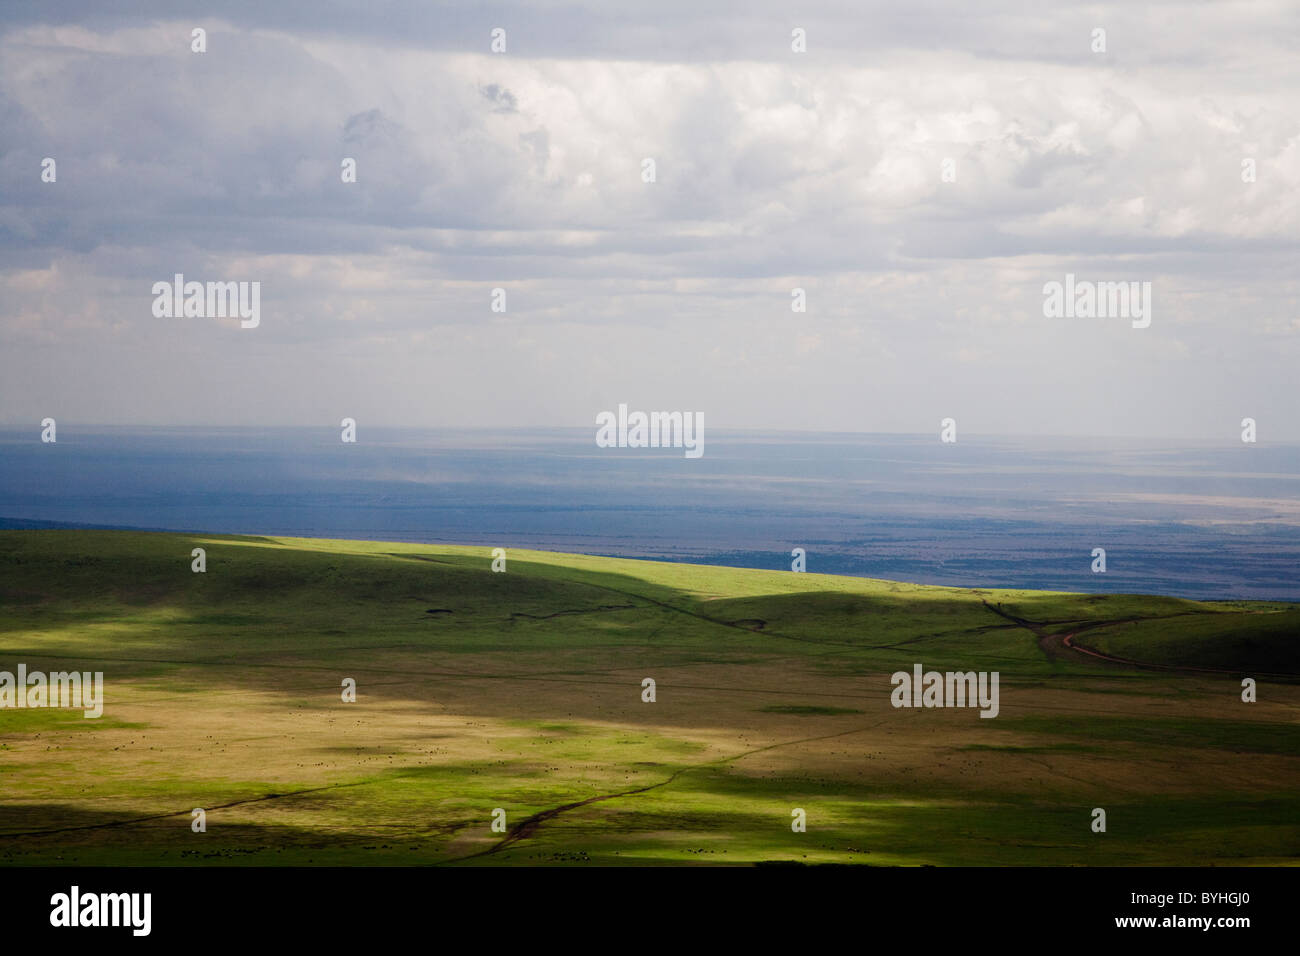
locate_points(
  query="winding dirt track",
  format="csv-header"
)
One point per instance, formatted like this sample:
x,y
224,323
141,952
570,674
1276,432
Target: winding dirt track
x,y
132,821
529,826
1051,642
1067,640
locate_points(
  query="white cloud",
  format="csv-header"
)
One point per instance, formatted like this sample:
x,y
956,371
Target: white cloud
x,y
524,171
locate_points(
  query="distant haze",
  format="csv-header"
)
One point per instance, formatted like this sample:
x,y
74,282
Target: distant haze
x,y
1201,521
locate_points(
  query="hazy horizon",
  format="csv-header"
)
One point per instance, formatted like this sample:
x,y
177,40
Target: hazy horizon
x,y
68,428
1203,521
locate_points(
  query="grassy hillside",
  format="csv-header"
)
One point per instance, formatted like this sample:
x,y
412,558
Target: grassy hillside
x,y
522,691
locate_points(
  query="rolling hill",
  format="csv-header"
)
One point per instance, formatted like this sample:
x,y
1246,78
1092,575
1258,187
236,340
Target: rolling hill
x,y
522,692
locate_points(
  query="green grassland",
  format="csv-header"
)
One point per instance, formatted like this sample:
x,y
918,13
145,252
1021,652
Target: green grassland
x,y
522,691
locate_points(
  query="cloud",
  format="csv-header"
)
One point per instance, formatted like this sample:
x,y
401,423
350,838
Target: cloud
x,y
824,170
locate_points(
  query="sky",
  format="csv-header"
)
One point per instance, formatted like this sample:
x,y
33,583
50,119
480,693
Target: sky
x,y
774,170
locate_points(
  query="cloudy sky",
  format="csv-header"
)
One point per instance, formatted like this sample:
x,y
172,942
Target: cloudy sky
x,y
775,169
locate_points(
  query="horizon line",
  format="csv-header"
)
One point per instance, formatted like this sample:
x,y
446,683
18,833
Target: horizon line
x,y
747,430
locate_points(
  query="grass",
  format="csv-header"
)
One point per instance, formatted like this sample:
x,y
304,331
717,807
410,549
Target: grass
x,y
523,692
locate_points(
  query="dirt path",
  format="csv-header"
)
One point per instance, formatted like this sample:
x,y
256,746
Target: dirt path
x,y
529,826
132,821
1047,643
733,625
1052,644
1068,641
